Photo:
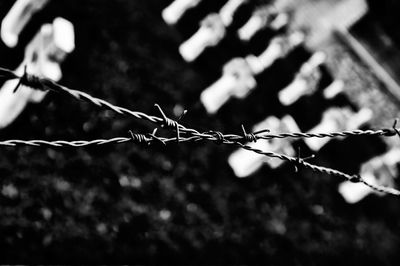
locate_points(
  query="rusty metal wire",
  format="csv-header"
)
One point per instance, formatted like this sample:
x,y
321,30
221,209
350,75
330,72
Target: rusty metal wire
x,y
189,134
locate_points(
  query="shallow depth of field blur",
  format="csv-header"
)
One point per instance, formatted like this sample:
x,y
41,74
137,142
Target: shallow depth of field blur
x,y
179,204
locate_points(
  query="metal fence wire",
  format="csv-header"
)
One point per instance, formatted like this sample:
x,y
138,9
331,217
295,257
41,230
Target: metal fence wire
x,y
186,134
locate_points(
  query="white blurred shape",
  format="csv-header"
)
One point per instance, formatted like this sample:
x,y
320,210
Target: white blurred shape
x,y
12,104
42,57
279,47
244,163
228,10
252,26
305,82
354,192
333,89
280,21
173,13
237,81
210,33
337,119
254,64
380,170
266,16
64,37
57,41
16,19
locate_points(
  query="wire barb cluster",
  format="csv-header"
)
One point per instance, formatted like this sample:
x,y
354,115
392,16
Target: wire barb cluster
x,y
29,80
185,134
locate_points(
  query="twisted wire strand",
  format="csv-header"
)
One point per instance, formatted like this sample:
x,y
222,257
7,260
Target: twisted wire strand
x,y
47,84
321,169
64,143
192,134
136,138
148,139
387,132
119,140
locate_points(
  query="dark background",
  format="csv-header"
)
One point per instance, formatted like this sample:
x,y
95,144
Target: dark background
x,y
179,204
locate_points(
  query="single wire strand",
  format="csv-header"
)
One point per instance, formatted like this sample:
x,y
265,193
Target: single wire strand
x,y
321,169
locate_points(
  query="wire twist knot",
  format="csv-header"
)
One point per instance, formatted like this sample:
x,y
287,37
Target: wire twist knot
x,y
219,136
252,137
395,129
355,179
158,139
140,138
146,138
169,123
249,137
299,162
29,80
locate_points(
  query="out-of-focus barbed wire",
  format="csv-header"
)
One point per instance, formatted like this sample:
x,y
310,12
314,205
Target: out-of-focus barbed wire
x,y
189,134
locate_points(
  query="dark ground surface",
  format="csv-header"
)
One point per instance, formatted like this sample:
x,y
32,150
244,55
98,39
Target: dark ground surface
x,y
176,204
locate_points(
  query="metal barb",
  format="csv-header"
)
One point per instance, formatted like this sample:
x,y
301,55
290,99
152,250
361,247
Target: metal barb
x,y
190,133
20,80
394,127
220,138
182,115
249,137
139,138
261,131
30,81
300,161
169,123
153,136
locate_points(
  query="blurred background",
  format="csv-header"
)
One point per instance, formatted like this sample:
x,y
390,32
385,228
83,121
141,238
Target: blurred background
x,y
286,65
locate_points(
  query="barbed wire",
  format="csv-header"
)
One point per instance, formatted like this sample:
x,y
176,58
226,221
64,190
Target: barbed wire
x,y
45,84
189,134
146,139
387,132
301,162
63,143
